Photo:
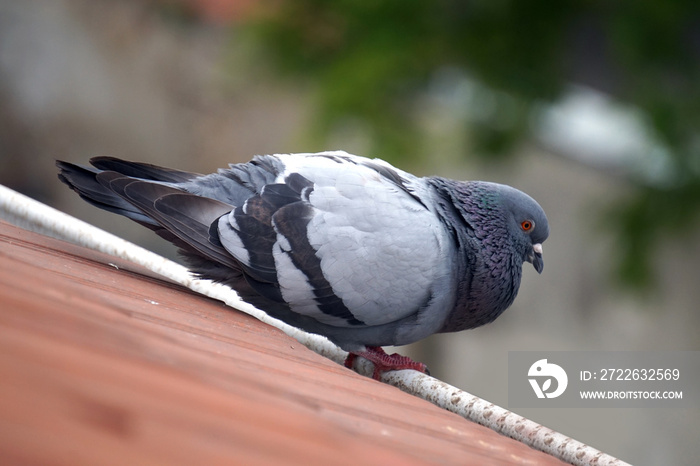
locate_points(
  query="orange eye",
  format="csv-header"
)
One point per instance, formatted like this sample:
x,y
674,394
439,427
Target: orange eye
x,y
527,225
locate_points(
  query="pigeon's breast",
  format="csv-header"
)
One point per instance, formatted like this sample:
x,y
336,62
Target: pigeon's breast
x,y
489,285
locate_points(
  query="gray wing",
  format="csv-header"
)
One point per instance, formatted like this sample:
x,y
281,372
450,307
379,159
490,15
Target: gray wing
x,y
346,241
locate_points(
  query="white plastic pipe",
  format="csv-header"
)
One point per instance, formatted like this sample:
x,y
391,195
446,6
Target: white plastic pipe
x,y
33,215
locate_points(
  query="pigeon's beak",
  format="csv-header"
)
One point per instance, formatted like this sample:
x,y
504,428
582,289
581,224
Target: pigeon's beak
x,y
535,257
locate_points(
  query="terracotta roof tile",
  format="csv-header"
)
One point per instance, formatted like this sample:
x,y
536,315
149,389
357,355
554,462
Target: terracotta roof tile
x,y
102,362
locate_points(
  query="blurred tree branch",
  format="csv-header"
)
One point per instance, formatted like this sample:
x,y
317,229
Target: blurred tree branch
x,y
371,61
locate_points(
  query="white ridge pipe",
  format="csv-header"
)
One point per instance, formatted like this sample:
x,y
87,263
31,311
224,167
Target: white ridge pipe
x,y
33,215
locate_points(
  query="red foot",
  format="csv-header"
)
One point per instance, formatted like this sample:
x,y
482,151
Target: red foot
x,y
385,362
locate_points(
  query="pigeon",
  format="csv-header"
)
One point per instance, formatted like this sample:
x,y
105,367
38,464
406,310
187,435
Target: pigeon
x,y
336,244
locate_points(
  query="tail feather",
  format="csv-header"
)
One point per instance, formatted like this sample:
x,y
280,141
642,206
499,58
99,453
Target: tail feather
x,y
144,171
149,195
84,181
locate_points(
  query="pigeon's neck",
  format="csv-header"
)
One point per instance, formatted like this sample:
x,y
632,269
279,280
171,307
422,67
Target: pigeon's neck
x,y
489,268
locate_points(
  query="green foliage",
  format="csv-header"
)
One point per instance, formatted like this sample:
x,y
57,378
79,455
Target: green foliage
x,y
372,60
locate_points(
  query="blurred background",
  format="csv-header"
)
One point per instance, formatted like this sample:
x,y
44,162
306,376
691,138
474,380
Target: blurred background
x,y
590,107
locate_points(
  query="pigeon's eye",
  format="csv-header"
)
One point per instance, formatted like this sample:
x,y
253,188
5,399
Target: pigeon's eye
x,y
527,225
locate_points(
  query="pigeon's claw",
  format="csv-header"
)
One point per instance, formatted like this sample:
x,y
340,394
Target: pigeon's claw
x,y
385,362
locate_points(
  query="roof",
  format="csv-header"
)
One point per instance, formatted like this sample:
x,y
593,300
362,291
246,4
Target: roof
x,y
103,362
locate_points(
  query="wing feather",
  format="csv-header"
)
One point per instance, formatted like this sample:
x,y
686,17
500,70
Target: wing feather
x,y
336,234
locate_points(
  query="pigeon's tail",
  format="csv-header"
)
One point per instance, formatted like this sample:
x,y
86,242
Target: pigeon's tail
x,y
83,180
150,196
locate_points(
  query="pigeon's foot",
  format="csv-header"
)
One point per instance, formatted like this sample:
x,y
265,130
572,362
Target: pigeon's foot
x,y
385,362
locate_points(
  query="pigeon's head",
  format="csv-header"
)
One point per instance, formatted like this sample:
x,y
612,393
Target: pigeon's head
x,y
526,223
